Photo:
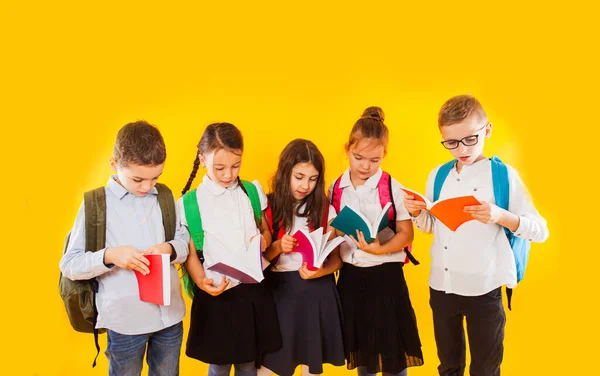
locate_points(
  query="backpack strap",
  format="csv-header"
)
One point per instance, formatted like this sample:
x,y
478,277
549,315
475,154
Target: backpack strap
x,y
325,219
384,188
440,178
95,240
520,247
166,201
194,221
95,219
336,195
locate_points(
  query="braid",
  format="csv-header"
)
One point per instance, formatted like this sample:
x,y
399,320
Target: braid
x,y
192,175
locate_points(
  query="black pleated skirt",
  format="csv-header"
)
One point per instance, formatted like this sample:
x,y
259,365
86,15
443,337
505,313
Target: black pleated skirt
x,y
238,326
309,313
380,327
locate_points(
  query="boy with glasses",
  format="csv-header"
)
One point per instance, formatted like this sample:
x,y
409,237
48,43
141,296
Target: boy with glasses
x,y
470,265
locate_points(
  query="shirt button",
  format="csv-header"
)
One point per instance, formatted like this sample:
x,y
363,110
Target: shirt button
x,y
446,269
475,189
445,247
457,179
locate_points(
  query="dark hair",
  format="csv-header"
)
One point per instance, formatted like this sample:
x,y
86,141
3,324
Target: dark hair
x,y
216,136
458,108
140,143
282,201
370,126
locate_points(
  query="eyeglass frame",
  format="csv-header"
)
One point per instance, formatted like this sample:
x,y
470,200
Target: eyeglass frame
x,y
461,141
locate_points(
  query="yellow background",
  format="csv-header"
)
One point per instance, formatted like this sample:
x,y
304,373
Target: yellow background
x,y
72,73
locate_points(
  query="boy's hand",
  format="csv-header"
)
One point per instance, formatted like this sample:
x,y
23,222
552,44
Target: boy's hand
x,y
305,273
485,213
413,206
207,286
162,248
287,243
362,244
127,257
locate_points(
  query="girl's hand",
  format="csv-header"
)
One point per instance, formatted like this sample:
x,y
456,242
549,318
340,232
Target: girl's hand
x,y
362,244
310,274
287,243
207,286
413,206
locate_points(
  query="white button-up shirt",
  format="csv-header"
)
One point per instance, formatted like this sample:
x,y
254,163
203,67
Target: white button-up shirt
x,y
137,222
365,198
227,220
477,258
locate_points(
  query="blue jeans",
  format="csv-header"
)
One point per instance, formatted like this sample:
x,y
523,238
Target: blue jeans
x,y
125,353
244,369
362,371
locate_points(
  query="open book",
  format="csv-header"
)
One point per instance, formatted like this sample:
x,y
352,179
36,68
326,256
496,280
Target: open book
x,y
155,287
314,246
349,220
450,211
246,267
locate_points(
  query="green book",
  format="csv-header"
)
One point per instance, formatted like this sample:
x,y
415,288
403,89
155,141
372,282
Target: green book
x,y
349,220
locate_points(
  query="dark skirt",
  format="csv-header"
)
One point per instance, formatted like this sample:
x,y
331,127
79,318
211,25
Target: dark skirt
x,y
238,326
380,327
309,313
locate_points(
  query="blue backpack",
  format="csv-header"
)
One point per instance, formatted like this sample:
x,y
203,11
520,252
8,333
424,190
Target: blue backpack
x,y
520,247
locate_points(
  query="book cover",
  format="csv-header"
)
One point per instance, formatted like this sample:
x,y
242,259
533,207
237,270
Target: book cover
x,y
449,211
246,267
155,287
349,220
315,247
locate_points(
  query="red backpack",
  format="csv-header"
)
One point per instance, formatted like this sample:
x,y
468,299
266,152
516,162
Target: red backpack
x,y
384,188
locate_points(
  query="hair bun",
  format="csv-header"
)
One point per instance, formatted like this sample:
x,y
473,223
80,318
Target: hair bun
x,y
373,112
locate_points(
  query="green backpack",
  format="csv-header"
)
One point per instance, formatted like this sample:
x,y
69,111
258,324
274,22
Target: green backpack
x,y
194,221
79,297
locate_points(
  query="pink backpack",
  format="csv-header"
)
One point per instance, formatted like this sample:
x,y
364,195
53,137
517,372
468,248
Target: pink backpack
x,y
384,187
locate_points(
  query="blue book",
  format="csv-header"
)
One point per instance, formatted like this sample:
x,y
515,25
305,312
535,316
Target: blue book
x,y
349,220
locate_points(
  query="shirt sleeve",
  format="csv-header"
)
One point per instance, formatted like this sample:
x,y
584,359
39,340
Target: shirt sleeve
x,y
532,226
425,221
182,237
261,195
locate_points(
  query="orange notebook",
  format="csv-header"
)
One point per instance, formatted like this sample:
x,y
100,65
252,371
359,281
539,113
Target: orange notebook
x,y
450,211
155,287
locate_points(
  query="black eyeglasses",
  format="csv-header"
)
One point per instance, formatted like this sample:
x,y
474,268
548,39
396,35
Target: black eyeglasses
x,y
467,141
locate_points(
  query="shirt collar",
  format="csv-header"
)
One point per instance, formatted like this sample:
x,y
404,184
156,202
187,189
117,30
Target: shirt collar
x,y
216,189
119,191
371,182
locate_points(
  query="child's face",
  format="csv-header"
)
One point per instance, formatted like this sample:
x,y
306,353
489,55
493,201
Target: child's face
x,y
365,158
472,131
303,180
137,179
222,166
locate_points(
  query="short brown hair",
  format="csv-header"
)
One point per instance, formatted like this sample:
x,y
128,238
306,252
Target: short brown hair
x,y
140,143
458,108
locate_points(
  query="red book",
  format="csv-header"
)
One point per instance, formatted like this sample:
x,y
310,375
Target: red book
x,y
155,287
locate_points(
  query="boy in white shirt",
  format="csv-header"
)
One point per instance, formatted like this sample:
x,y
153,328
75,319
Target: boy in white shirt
x,y
470,265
